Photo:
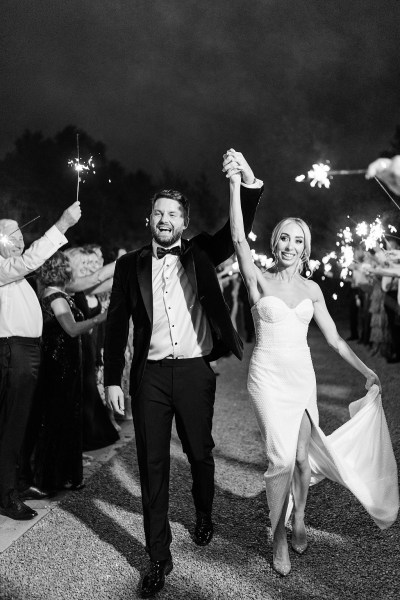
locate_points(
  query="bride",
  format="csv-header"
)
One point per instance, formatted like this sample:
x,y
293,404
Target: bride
x,y
282,386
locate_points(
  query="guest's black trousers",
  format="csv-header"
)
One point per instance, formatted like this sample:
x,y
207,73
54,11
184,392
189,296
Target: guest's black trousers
x,y
184,388
19,366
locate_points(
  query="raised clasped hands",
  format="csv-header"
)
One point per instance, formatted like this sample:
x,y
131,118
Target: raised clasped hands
x,y
388,171
236,167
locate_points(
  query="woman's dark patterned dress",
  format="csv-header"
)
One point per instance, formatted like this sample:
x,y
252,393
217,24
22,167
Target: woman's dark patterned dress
x,y
58,454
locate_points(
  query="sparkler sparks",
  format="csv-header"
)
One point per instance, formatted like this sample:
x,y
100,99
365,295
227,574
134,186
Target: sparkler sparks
x,y
362,229
376,234
321,174
5,240
317,176
80,166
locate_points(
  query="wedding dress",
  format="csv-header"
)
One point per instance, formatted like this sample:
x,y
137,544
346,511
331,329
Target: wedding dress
x,y
281,385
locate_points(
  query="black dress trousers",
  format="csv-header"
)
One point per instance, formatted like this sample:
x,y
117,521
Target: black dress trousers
x,y
19,367
184,388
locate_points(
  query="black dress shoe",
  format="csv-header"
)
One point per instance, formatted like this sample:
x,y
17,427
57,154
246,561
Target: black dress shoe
x,y
154,579
33,493
204,530
16,509
74,487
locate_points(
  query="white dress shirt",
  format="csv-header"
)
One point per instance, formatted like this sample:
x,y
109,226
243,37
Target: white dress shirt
x,y
180,326
20,312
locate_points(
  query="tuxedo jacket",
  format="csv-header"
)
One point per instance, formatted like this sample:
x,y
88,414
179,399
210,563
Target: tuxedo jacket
x,y
132,297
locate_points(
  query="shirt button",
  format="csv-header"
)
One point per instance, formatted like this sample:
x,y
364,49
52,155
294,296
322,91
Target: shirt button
x,y
176,343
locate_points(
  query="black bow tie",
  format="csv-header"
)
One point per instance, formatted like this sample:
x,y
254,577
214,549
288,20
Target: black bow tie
x,y
161,252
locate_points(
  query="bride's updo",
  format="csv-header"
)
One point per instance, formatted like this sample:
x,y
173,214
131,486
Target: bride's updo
x,y
276,234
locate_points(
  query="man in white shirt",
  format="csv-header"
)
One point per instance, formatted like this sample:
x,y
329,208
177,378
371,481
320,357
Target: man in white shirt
x,y
171,291
20,331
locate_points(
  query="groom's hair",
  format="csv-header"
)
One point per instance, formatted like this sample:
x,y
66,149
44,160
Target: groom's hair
x,y
174,195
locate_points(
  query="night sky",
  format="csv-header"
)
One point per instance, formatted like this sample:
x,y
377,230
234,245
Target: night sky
x,y
177,82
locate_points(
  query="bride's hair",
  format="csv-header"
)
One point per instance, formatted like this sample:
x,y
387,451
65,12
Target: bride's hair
x,y
276,234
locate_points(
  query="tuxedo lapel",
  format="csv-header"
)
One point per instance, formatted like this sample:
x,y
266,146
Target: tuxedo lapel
x,y
144,274
187,261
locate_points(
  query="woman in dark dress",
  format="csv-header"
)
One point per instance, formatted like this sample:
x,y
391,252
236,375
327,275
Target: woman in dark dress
x,y
57,461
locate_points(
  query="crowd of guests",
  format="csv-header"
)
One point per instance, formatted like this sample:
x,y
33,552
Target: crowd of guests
x,y
375,299
62,413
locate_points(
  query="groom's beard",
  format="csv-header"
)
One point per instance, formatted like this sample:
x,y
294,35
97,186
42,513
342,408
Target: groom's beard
x,y
164,240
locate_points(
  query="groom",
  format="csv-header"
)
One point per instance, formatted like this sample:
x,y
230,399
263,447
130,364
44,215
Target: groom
x,y
181,323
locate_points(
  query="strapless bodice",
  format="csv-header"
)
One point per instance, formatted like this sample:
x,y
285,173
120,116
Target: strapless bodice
x,y
279,325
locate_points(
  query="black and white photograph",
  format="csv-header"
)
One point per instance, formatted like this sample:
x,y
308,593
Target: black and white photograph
x,y
200,300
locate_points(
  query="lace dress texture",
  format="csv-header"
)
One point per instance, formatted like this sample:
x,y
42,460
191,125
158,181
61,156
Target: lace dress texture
x,y
282,385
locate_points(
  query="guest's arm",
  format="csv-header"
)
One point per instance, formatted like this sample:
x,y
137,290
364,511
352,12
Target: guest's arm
x,y
89,283
390,271
13,268
64,316
102,288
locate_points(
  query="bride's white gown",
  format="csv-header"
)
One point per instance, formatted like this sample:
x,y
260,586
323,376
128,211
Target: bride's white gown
x,y
281,384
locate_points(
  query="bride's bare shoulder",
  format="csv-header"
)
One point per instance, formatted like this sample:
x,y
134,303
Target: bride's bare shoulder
x,y
312,287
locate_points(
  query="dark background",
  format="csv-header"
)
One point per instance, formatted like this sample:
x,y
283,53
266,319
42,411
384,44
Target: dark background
x,y
160,89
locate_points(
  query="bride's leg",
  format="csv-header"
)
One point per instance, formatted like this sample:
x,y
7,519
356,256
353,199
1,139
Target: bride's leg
x,y
281,560
301,483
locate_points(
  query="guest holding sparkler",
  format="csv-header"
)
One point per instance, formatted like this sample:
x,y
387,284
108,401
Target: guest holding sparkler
x,y
20,331
282,388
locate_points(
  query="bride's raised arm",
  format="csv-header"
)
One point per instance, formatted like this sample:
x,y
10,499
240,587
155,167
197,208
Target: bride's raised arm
x,y
247,267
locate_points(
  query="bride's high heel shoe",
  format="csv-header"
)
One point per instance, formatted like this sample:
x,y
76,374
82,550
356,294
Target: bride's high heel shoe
x,y
299,548
283,569
280,565
302,547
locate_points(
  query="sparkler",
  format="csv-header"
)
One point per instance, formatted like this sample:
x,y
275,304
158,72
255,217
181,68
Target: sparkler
x,y
5,237
321,173
387,193
80,166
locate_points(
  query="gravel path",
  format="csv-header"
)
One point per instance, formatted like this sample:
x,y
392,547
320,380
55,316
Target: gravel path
x,y
91,545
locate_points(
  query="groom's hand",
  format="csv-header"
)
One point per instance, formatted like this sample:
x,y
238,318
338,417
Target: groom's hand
x,y
115,399
234,163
